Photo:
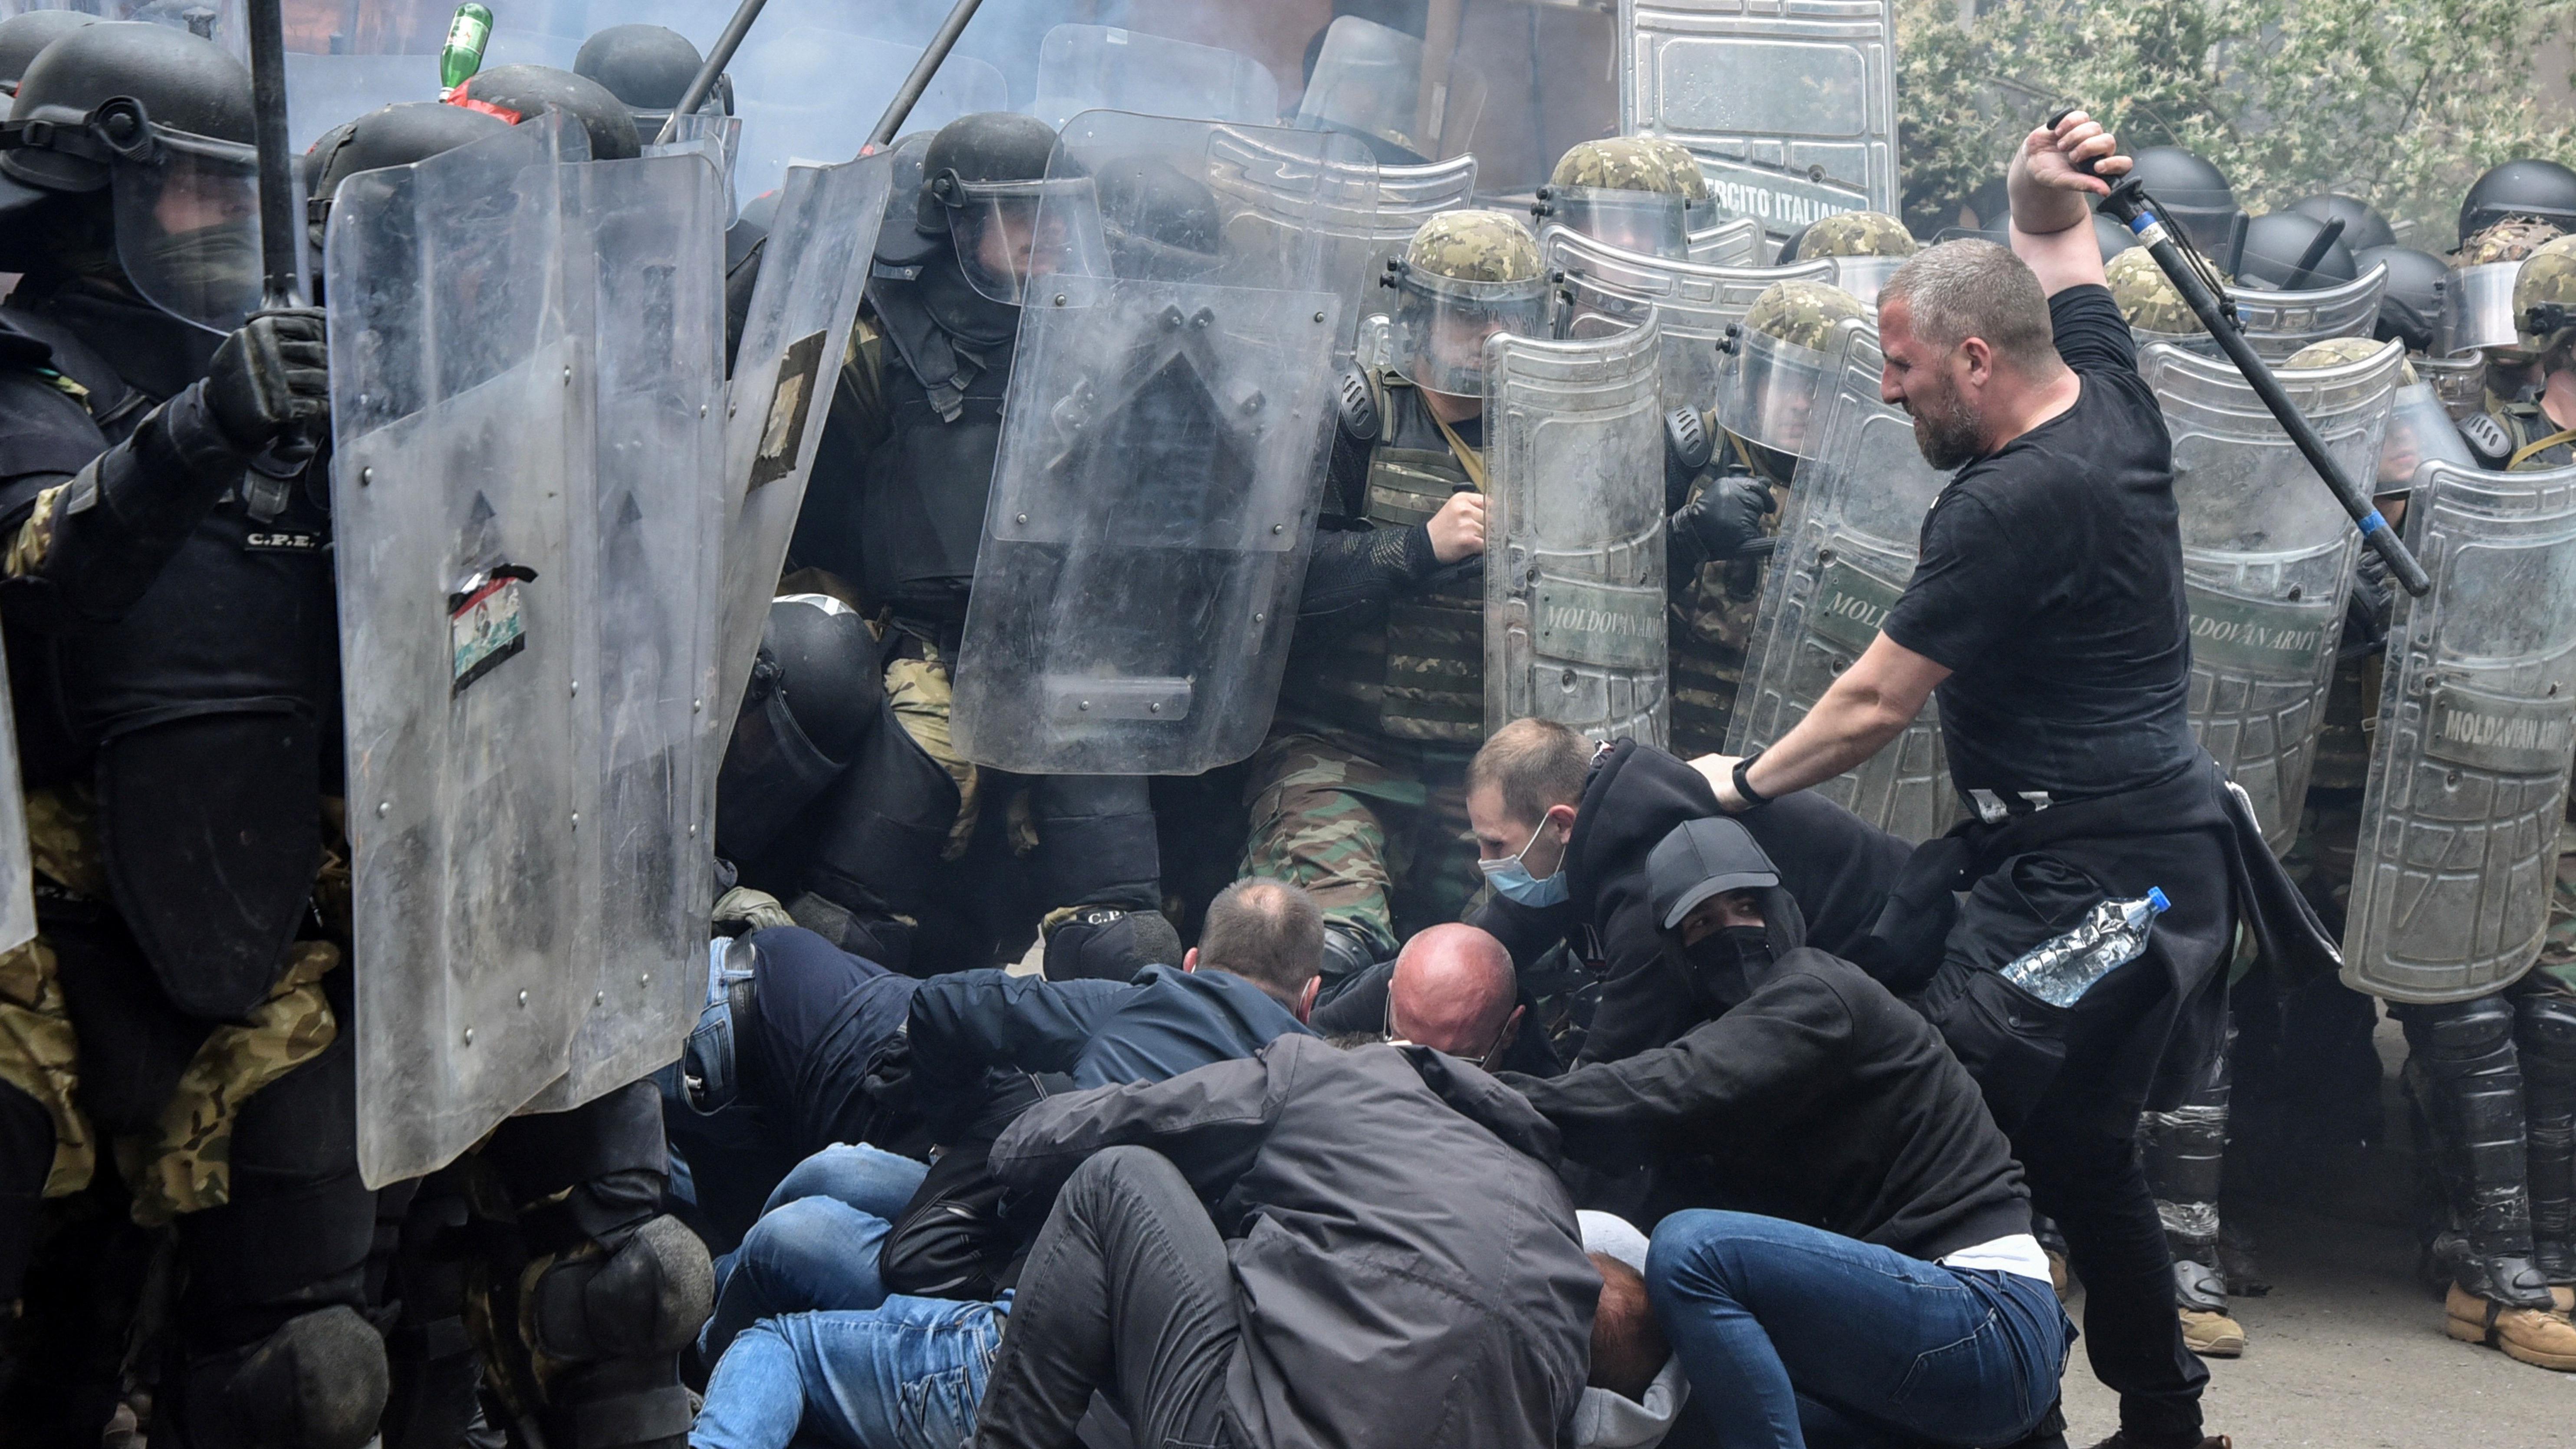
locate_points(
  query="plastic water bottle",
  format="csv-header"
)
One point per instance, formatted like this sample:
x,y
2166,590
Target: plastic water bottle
x,y
2111,935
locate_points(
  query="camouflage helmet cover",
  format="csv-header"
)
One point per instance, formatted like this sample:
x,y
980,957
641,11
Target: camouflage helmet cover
x,y
2510,240
1687,178
1471,245
2337,351
1619,163
1857,234
1803,314
2147,296
2547,279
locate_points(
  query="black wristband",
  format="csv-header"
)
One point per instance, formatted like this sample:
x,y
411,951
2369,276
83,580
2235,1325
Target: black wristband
x,y
1744,782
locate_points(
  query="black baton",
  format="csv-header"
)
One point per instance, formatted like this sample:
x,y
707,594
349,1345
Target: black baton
x,y
2130,205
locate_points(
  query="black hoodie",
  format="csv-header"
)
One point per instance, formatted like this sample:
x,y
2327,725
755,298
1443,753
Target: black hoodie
x,y
1636,795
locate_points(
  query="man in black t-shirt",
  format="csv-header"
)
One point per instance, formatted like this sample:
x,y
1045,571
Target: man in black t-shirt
x,y
2047,611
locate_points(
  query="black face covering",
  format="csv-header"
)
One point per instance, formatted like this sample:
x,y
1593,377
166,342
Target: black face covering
x,y
1730,962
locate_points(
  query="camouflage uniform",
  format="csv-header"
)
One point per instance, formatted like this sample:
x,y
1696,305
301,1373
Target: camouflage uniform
x,y
1716,605
1358,794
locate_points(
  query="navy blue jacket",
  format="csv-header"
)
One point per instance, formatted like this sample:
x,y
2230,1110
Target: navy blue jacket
x,y
1100,1033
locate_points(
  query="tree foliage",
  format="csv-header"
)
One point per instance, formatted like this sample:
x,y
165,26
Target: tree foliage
x,y
2399,102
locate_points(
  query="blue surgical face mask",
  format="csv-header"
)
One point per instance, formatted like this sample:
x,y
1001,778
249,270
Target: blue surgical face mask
x,y
1513,880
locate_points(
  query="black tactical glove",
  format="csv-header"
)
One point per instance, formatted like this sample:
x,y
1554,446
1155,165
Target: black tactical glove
x,y
271,377
2369,610
1726,516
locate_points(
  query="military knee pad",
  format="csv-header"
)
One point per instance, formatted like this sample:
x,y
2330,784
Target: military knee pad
x,y
1096,842
318,1382
1109,945
2461,1036
646,1298
883,827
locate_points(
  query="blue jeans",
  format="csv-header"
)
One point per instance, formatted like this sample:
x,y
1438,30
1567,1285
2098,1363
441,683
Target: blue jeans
x,y
1789,1332
816,1243
905,1375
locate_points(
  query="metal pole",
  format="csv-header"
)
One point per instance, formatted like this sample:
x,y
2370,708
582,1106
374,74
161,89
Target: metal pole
x,y
2129,203
717,59
279,235
922,70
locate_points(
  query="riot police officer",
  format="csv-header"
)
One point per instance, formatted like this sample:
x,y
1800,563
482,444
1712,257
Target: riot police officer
x,y
2478,314
2542,191
1619,191
167,601
648,68
2538,431
891,522
1699,204
1867,248
1717,579
1358,794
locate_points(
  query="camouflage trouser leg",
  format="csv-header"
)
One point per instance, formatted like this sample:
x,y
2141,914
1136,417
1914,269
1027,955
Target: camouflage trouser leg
x,y
919,691
1372,841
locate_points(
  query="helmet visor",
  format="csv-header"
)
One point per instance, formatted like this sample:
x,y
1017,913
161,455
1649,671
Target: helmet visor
x,y
1440,326
2420,431
1645,222
1863,276
187,228
1770,392
2477,308
1012,235
2460,382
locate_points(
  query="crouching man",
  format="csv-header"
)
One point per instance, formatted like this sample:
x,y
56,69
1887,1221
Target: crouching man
x,y
1862,1253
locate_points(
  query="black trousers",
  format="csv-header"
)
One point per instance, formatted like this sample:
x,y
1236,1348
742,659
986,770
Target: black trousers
x,y
1127,1292
2078,1143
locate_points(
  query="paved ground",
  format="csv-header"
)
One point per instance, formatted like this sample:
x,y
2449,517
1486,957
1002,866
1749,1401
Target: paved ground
x,y
2348,1351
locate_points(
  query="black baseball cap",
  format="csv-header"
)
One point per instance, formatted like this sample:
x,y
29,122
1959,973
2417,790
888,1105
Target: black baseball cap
x,y
1703,858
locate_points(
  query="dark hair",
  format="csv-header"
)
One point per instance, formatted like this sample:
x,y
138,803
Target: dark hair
x,y
1628,1345
1269,932
1536,763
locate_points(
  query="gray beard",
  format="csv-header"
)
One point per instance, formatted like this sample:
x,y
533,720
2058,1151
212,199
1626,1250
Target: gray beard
x,y
1946,435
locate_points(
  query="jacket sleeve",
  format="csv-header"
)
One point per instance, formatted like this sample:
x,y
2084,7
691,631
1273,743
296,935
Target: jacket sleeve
x,y
966,1021
1210,1123
1642,1004
1354,568
92,545
1730,1079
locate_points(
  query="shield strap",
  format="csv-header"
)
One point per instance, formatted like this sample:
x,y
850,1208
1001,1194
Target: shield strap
x,y
1468,458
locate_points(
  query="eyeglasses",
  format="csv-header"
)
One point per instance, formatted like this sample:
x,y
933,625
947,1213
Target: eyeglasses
x,y
1483,1060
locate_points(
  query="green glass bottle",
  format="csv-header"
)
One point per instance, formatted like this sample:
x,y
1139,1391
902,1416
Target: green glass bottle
x,y
467,34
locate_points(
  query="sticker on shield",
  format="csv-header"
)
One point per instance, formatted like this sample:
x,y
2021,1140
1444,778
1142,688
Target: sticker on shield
x,y
782,435
486,623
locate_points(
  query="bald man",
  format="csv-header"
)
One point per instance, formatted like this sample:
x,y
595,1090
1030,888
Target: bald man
x,y
1451,988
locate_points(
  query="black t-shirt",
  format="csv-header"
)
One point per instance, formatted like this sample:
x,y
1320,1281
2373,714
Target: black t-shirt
x,y
2050,584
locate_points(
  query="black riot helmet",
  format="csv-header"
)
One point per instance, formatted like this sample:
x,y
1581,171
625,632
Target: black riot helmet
x,y
2543,190
981,177
2363,226
159,121
22,36
395,135
2410,310
2276,243
516,92
2195,196
815,693
649,68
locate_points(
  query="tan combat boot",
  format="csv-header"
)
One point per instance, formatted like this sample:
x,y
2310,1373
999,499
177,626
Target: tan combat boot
x,y
2542,1337
2212,1335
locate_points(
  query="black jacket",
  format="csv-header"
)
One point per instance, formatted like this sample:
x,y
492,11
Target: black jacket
x,y
1822,1099
1409,1267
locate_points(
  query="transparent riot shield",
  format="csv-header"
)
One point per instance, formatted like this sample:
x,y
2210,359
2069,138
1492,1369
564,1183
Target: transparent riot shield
x,y
2477,308
1791,110
1105,68
716,137
793,341
2460,382
17,870
2280,323
1607,290
808,96
2477,719
1574,560
1408,104
2267,558
1732,243
324,90
1161,461
1847,545
2420,431
1293,200
460,410
645,561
